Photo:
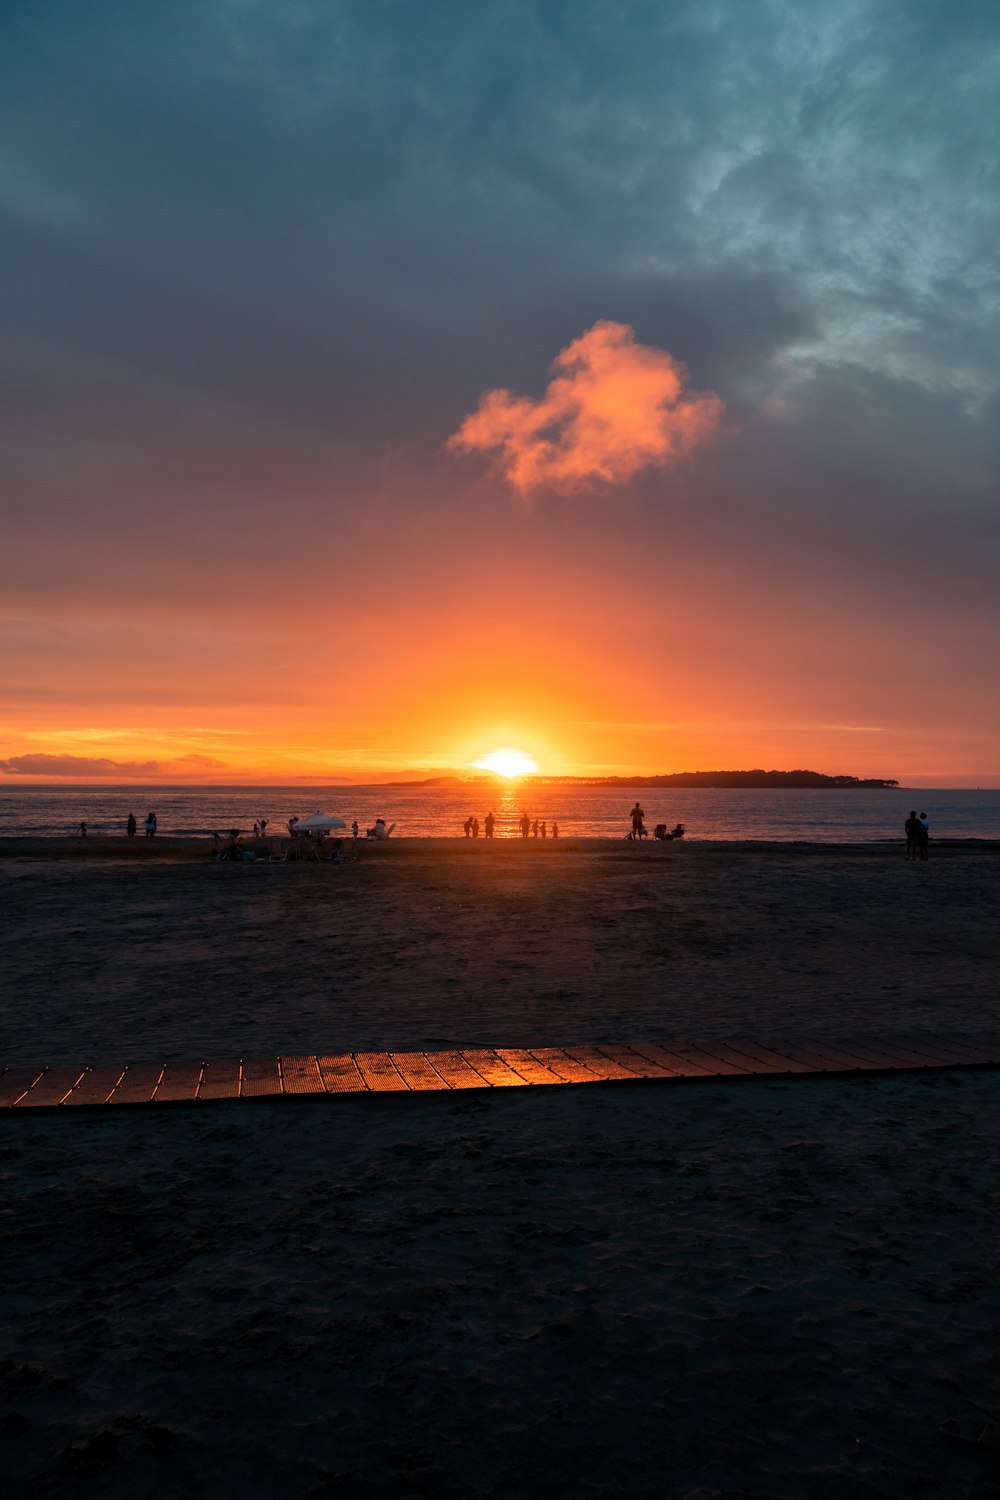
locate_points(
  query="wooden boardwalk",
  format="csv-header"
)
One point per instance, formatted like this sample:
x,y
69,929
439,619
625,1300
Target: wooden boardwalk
x,y
142,1084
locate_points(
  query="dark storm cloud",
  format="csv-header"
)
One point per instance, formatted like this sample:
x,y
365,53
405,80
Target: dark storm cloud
x,y
253,245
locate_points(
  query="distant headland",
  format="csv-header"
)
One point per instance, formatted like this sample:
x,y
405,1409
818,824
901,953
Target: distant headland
x,y
793,780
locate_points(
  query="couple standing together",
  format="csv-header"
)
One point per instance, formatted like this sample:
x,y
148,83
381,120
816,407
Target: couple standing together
x,y
918,835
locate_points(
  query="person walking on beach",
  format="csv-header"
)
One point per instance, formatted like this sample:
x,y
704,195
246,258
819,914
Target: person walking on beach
x,y
489,825
534,829
467,827
637,817
130,826
151,825
912,830
542,826
525,825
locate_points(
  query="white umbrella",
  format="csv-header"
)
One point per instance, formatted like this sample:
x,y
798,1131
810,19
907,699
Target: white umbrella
x,y
317,821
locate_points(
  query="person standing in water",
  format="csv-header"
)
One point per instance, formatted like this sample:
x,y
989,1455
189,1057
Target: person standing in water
x,y
490,822
525,825
130,826
151,825
555,830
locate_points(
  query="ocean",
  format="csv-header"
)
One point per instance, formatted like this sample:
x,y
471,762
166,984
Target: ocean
x,y
829,816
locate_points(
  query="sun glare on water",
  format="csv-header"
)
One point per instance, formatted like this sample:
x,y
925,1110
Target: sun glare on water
x,y
509,763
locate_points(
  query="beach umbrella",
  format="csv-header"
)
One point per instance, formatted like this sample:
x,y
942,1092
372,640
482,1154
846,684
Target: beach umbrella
x,y
317,822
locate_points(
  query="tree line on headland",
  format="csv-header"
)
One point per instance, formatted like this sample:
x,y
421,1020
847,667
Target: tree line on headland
x,y
794,780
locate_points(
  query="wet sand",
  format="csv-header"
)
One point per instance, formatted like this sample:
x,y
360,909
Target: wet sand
x,y
764,1289
436,943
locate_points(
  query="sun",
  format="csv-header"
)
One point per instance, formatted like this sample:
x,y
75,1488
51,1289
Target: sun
x,y
507,762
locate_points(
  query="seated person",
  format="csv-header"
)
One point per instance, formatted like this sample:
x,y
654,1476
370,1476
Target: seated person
x,y
678,831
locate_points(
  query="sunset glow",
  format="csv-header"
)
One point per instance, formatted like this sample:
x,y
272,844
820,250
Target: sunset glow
x,y
675,455
507,763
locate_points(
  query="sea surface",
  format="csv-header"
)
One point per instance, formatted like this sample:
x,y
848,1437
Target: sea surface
x,y
829,816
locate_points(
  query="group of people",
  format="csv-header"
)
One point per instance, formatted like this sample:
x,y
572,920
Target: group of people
x,y
918,835
529,829
640,831
131,826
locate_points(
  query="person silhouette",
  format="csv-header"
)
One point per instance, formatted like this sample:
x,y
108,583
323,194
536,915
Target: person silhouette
x,y
912,830
131,825
467,827
534,829
489,824
637,817
525,825
555,830
151,825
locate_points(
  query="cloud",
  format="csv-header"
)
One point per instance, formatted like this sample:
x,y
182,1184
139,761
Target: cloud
x,y
613,407
87,765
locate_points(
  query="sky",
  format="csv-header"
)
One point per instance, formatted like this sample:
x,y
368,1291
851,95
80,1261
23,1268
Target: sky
x,y
383,383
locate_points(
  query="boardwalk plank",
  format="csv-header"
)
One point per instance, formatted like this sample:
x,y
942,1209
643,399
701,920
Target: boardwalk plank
x,y
301,1075
932,1051
51,1088
826,1057
760,1063
526,1065
598,1061
95,1087
713,1059
876,1055
729,1053
220,1079
17,1081
418,1072
138,1085
632,1058
986,1044
671,1058
179,1082
563,1066
379,1072
493,1068
261,1076
340,1073
482,1067
456,1072
764,1055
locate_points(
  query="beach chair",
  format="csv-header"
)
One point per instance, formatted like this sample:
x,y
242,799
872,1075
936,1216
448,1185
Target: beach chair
x,y
276,850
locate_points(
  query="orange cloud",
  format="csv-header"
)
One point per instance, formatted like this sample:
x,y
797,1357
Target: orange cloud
x,y
613,407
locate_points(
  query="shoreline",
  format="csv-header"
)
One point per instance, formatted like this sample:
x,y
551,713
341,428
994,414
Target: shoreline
x,y
180,849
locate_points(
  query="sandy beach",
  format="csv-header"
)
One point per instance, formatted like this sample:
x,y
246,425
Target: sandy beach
x,y
765,1289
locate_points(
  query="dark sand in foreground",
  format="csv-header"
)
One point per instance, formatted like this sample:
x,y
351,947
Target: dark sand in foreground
x,y
763,1289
